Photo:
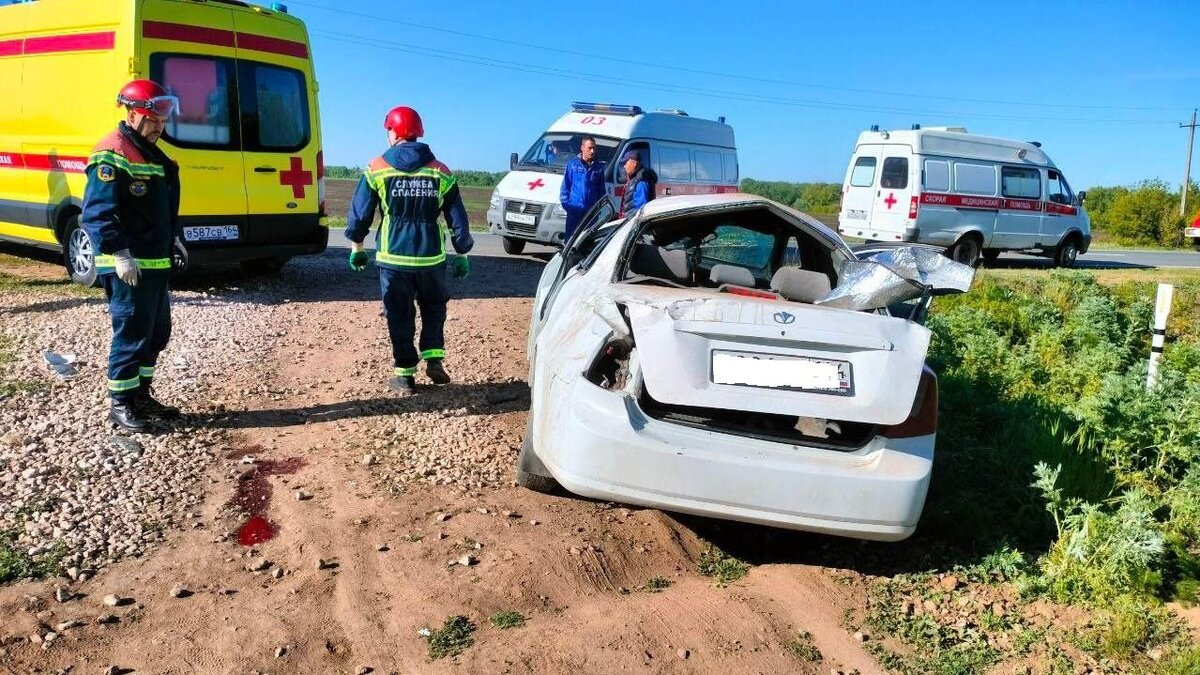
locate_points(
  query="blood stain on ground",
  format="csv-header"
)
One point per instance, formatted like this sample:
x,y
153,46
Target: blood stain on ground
x,y
253,494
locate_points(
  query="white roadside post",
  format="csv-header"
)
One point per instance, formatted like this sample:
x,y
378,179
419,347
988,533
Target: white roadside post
x,y
1162,309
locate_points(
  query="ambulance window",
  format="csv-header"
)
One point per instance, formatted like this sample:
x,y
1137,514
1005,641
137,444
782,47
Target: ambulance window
x,y
674,163
974,179
274,107
729,162
864,172
1020,182
1057,189
708,166
937,175
895,173
205,95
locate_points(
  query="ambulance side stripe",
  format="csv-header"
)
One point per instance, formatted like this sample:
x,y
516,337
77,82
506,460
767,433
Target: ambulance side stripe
x,y
164,30
56,44
16,160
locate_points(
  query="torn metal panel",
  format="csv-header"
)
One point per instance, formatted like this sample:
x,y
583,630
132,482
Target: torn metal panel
x,y
896,275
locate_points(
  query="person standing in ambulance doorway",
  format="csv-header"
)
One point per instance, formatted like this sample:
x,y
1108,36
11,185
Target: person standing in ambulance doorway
x,y
131,214
640,183
413,188
582,186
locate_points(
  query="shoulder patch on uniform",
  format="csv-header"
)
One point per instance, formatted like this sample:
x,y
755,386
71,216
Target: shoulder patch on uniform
x,y
106,173
137,188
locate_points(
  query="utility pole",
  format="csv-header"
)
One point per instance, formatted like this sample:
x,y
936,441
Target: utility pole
x,y
1187,174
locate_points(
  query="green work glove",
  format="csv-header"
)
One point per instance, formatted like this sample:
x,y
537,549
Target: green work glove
x,y
358,260
460,267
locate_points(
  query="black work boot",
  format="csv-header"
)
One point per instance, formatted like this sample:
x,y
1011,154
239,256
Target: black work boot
x,y
151,407
405,384
435,371
124,414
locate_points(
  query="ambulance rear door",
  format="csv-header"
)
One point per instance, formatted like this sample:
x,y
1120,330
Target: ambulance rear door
x,y
191,50
858,192
280,138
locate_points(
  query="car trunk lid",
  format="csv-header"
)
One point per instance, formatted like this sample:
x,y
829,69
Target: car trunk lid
x,y
775,357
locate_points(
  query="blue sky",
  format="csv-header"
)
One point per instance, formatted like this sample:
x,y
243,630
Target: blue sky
x,y
1103,85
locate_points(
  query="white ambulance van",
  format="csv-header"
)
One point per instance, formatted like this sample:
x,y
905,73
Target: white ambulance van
x,y
974,195
689,154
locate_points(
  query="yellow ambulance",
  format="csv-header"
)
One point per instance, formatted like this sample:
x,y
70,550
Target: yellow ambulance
x,y
247,135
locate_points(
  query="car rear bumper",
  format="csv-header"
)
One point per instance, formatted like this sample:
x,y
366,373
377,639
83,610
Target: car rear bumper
x,y
600,444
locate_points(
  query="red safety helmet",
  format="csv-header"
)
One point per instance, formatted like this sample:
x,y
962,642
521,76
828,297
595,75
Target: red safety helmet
x,y
147,97
405,122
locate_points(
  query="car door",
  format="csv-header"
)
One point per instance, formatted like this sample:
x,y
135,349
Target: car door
x,y
1061,211
565,264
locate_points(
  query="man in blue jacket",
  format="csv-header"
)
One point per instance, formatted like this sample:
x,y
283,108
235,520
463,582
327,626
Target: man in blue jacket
x,y
413,188
582,186
640,184
131,216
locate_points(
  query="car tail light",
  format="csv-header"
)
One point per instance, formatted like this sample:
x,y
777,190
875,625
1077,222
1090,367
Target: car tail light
x,y
924,417
913,204
321,182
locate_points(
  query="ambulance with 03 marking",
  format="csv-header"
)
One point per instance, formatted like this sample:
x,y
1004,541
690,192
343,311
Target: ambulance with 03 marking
x,y
975,195
688,154
246,138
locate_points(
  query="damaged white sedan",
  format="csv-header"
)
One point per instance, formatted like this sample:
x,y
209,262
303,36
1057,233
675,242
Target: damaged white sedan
x,y
727,356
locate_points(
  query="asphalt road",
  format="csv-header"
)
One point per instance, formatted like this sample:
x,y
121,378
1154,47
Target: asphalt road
x,y
489,245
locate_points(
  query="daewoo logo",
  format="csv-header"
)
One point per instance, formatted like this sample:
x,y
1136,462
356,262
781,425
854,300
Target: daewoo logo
x,y
784,318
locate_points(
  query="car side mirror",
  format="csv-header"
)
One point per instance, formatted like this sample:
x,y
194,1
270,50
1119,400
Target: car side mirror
x,y
1082,195
512,161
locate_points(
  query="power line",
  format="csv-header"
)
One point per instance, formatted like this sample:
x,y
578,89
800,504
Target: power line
x,y
695,71
490,62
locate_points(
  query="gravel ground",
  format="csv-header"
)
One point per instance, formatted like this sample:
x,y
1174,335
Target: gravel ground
x,y
70,486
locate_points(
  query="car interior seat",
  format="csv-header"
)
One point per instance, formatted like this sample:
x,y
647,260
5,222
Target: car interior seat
x,y
800,285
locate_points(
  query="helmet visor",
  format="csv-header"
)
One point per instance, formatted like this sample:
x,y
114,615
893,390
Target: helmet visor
x,y
159,106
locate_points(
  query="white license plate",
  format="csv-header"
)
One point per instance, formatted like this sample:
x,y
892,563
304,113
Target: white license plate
x,y
856,214
782,372
1191,231
520,218
210,232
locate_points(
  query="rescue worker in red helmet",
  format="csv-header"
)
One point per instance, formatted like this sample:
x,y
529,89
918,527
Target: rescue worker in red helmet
x,y
413,188
130,212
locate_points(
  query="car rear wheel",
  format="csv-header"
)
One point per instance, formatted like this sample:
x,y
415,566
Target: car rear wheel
x,y
531,473
79,254
272,265
514,246
1067,252
965,250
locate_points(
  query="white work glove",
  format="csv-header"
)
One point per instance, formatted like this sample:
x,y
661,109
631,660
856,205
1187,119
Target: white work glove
x,y
127,269
181,250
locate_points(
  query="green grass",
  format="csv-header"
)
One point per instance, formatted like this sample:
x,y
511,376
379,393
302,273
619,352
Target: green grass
x,y
506,620
721,566
802,647
16,564
452,638
658,584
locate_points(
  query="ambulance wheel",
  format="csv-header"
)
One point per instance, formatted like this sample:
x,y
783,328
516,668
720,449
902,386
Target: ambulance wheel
x,y
514,246
79,255
990,255
272,265
965,250
1067,252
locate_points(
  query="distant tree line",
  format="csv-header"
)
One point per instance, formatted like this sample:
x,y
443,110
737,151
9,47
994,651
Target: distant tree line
x,y
814,198
1143,214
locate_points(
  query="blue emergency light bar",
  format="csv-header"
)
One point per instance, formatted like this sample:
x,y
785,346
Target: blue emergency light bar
x,y
605,108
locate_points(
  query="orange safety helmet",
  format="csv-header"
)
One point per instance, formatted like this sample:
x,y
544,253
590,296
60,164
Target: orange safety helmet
x,y
405,122
147,97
